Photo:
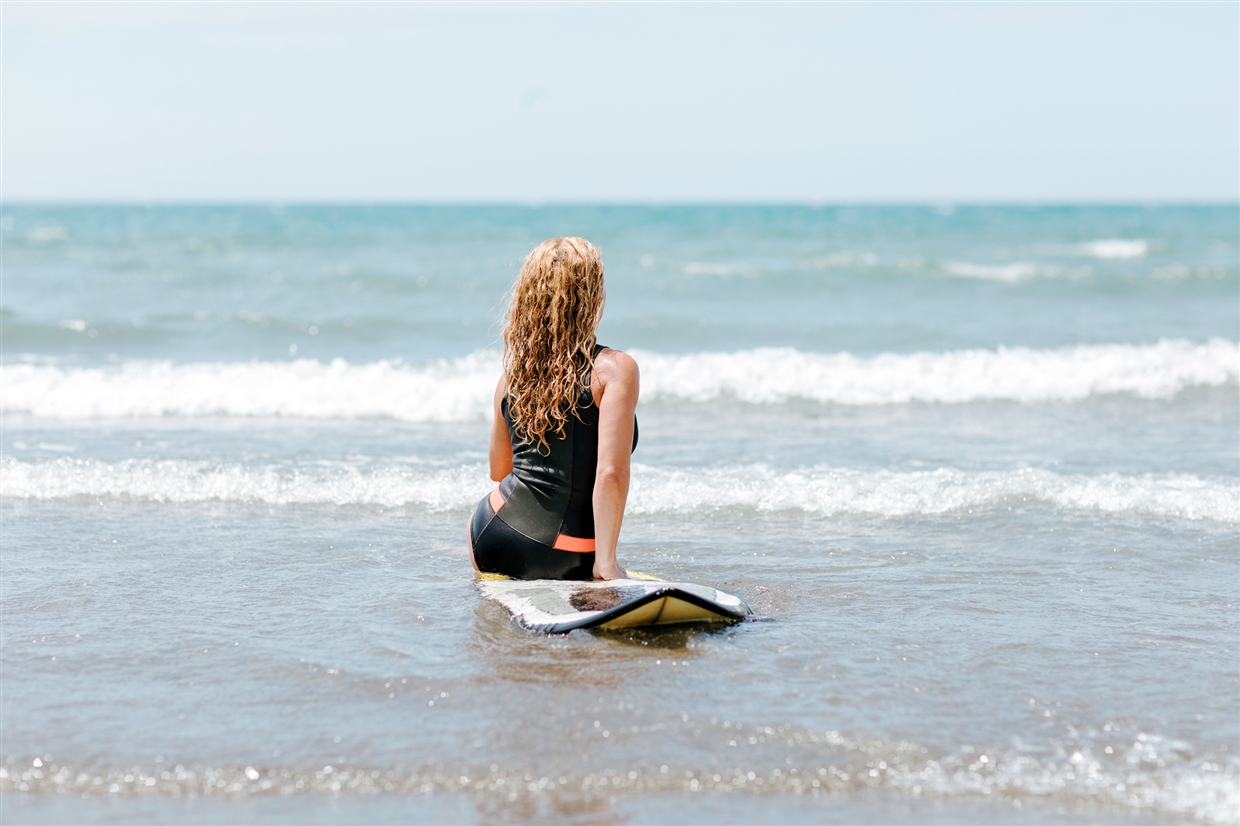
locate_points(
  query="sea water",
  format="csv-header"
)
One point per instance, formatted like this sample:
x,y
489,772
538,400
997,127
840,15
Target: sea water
x,y
975,469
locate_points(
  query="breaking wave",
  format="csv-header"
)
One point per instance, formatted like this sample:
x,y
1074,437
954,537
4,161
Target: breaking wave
x,y
1115,248
460,389
770,376
818,490
1011,273
1141,773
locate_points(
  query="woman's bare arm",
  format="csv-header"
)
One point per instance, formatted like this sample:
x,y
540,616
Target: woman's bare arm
x,y
615,385
500,451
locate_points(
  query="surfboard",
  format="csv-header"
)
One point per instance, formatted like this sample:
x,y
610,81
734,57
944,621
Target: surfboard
x,y
558,606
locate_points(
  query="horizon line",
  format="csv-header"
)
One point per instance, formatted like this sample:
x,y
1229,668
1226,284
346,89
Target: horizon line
x,y
660,203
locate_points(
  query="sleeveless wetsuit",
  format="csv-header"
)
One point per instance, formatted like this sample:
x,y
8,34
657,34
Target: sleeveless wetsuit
x,y
539,522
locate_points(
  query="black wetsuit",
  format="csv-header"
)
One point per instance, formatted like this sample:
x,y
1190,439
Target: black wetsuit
x,y
539,522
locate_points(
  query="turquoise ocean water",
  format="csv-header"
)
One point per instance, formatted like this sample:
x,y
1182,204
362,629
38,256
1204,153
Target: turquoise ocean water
x,y
976,470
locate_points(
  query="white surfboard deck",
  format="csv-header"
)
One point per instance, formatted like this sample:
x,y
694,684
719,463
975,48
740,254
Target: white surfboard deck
x,y
558,606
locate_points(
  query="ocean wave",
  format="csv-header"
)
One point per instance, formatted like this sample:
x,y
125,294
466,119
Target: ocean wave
x,y
1114,248
1011,273
1104,249
831,491
817,490
771,376
461,389
1079,773
841,259
447,390
43,235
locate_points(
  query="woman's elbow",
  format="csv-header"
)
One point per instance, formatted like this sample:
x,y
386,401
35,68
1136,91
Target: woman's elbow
x,y
610,477
499,469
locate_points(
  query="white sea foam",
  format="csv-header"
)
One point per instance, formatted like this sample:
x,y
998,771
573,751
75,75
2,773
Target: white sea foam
x,y
1114,248
817,490
1071,777
1201,789
771,376
451,390
42,235
460,389
841,259
1150,775
1016,271
173,480
831,491
1104,249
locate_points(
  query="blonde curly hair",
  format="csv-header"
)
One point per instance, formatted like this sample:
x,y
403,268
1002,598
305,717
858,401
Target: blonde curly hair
x,y
554,310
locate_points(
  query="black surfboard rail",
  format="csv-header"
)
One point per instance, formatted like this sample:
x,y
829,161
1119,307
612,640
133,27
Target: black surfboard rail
x,y
600,618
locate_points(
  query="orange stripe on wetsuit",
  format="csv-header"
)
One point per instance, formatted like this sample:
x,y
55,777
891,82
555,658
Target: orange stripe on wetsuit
x,y
563,542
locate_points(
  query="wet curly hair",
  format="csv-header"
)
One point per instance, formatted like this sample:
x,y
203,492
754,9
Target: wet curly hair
x,y
549,334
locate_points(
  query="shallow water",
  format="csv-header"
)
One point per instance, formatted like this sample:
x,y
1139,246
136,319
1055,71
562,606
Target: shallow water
x,y
983,503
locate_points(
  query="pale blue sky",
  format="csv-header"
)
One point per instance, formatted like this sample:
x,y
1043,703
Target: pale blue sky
x,y
621,102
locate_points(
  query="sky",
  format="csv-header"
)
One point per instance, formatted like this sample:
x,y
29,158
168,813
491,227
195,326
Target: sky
x,y
619,102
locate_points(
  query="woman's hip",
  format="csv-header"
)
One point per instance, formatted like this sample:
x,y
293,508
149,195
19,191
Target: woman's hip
x,y
499,548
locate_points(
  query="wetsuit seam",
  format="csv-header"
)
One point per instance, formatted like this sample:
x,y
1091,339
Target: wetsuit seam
x,y
510,526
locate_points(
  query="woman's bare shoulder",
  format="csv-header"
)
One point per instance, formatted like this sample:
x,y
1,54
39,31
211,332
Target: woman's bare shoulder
x,y
615,365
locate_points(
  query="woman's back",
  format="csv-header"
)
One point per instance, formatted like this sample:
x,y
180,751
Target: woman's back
x,y
563,430
559,478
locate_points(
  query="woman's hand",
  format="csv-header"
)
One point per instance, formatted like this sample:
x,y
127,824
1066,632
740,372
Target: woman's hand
x,y
612,571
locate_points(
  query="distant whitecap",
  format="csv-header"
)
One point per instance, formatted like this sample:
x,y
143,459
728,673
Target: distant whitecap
x,y
1115,248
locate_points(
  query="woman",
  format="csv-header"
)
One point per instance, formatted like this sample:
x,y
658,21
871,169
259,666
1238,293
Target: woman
x,y
564,427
